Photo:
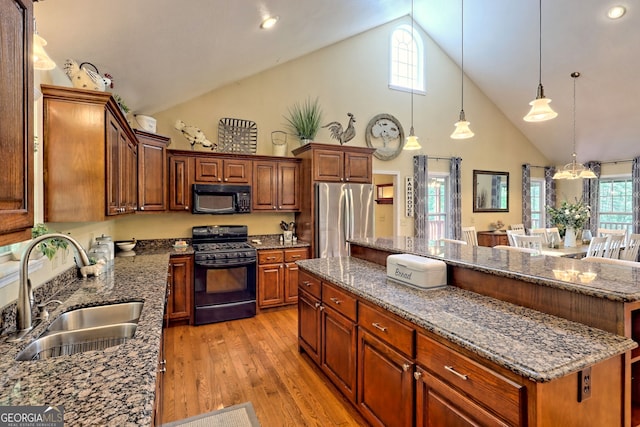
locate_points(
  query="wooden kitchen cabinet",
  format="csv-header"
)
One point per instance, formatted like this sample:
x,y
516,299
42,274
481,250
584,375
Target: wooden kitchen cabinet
x,y
90,156
278,276
180,298
222,170
152,172
180,170
276,186
491,239
331,165
16,131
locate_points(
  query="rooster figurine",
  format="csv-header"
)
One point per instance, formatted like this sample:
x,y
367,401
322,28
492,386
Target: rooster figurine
x,y
193,134
342,136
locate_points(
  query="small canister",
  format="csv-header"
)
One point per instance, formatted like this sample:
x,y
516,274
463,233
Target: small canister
x,y
109,242
99,251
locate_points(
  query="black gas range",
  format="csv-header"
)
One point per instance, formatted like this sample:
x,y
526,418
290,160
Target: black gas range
x,y
224,273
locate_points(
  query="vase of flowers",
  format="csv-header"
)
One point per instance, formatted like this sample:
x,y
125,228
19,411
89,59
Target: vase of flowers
x,y
569,218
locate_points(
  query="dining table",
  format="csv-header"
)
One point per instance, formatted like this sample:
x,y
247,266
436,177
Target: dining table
x,y
579,251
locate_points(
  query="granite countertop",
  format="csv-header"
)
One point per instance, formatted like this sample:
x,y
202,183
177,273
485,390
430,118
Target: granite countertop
x,y
530,343
612,282
272,241
111,387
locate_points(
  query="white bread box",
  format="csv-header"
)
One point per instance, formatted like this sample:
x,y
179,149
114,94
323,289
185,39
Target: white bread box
x,y
417,271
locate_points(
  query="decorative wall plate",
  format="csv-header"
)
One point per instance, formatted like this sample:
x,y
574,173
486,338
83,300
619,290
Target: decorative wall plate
x,y
385,134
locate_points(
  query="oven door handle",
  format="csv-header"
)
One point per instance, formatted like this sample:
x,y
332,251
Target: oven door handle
x,y
239,263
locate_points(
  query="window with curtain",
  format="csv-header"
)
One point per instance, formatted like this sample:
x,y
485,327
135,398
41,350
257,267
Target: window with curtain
x,y
538,208
438,200
407,60
615,204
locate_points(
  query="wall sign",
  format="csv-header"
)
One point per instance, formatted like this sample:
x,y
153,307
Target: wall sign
x,y
408,185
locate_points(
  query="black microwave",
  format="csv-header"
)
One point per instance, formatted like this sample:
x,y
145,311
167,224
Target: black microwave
x,y
221,199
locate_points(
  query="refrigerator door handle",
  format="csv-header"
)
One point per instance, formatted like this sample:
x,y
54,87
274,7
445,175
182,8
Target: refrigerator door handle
x,y
351,217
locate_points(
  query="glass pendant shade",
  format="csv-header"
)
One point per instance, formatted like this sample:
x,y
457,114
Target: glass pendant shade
x,y
412,142
540,111
41,61
462,130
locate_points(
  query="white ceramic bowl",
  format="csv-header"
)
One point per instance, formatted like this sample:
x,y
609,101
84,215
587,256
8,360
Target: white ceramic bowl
x,y
126,246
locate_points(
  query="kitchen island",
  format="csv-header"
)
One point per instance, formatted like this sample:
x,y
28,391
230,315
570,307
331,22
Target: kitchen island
x,y
540,358
116,386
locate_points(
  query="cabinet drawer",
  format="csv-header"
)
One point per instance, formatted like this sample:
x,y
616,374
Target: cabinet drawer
x,y
339,301
387,328
270,257
291,255
309,284
483,384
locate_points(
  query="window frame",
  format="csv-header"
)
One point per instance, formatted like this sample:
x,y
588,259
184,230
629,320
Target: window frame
x,y
446,204
418,86
609,179
541,199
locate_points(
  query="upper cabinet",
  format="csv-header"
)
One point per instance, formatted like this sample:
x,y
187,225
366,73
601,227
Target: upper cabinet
x,y
152,173
90,157
338,163
222,170
16,131
276,185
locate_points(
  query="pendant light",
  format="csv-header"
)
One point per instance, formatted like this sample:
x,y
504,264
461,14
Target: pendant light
x,y
41,61
412,143
574,170
540,109
462,130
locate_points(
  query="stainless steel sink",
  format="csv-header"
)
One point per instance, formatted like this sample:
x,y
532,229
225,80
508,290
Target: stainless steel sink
x,y
77,341
102,315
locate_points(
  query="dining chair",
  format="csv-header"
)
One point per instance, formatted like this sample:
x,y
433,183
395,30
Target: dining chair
x,y
532,242
630,251
510,234
597,246
611,232
553,235
459,242
470,235
516,249
613,247
622,262
517,227
539,232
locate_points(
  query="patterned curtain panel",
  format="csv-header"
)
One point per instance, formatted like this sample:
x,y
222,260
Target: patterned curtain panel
x,y
549,191
635,186
526,195
495,190
455,209
420,188
590,195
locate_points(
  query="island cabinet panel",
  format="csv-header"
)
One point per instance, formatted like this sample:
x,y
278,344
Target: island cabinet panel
x,y
85,131
278,276
180,298
385,383
16,130
338,346
180,180
309,325
487,388
152,173
276,186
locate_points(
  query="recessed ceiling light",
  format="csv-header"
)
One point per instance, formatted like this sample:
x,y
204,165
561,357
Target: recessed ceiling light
x,y
616,12
269,22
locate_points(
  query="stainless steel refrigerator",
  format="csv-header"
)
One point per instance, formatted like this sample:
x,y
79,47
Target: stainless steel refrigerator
x,y
343,211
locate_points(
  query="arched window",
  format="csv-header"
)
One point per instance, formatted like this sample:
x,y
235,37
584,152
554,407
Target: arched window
x,y
407,60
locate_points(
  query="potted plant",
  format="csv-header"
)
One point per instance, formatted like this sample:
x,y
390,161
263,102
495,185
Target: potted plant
x,y
304,119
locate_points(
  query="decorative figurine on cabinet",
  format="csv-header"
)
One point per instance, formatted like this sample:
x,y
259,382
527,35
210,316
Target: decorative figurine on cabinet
x,y
343,136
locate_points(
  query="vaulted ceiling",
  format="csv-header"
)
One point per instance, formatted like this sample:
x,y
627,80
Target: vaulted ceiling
x,y
171,51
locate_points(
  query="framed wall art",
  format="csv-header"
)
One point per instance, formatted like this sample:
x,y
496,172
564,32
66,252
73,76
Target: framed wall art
x,y
385,134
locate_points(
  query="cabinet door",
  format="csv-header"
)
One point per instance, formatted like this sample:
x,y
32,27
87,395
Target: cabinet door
x,y
385,383
180,303
270,289
208,169
338,346
309,325
152,174
288,186
130,176
179,183
16,131
237,171
328,165
357,167
264,192
438,404
113,142
290,283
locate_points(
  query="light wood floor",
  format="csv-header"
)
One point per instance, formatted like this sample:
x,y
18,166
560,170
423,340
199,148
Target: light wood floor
x,y
222,364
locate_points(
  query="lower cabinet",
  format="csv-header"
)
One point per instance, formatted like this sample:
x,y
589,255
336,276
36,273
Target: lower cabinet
x,y
180,292
278,276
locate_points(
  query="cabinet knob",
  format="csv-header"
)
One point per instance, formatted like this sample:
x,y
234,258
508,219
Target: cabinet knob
x,y
322,307
456,373
186,208
280,207
226,179
336,301
405,367
317,304
275,207
162,370
306,283
346,179
141,208
417,375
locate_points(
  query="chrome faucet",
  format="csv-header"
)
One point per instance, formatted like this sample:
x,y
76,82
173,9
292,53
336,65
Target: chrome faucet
x,y
25,292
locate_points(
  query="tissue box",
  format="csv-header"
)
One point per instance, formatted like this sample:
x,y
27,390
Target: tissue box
x,y
417,271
